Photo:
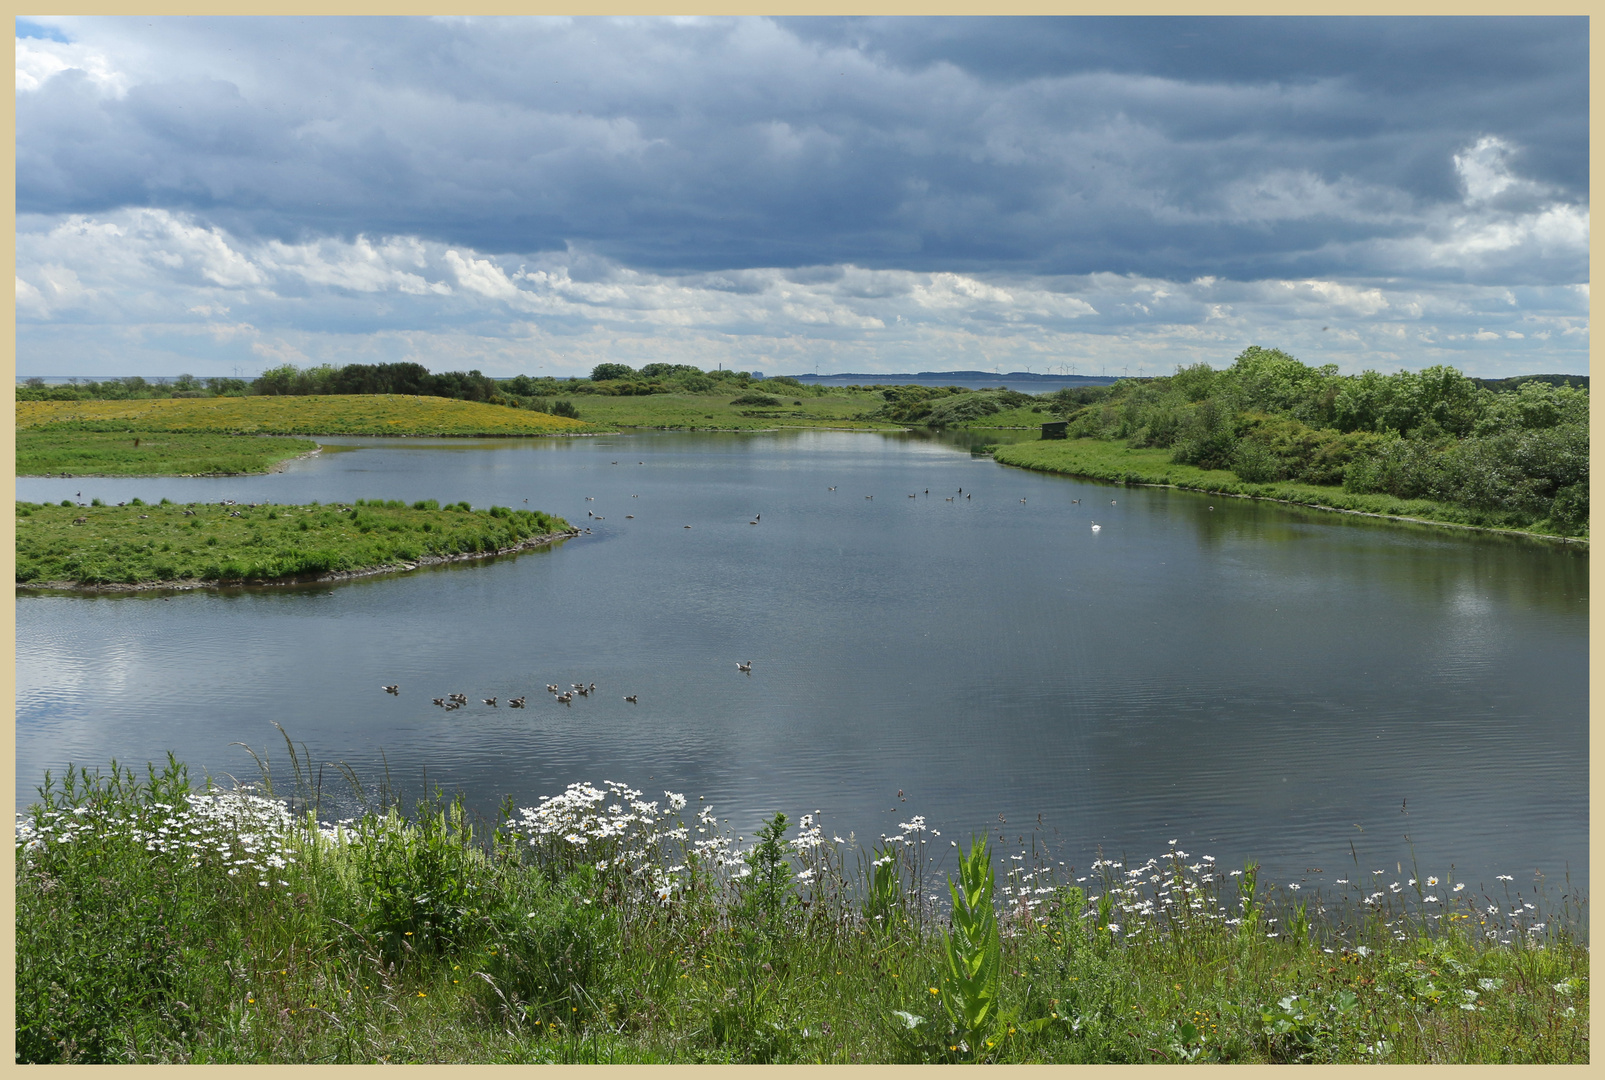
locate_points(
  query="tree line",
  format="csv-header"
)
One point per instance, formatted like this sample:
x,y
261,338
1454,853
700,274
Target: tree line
x,y
1514,449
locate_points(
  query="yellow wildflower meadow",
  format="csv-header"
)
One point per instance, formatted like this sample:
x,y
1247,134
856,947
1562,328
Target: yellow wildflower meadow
x,y
334,414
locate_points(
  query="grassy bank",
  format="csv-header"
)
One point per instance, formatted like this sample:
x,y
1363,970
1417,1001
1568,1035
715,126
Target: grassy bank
x,y
347,414
46,452
1101,459
784,407
160,924
208,544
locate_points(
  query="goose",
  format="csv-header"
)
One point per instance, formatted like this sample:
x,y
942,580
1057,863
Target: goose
x,y
1096,526
489,701
566,698
551,688
453,705
950,498
1111,502
441,702
393,688
515,703
1022,500
589,499
629,517
1212,508
827,489
914,496
744,667
593,686
869,496
688,526
630,698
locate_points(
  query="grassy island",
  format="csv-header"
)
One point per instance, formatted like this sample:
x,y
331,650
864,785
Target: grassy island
x,y
49,452
142,546
158,923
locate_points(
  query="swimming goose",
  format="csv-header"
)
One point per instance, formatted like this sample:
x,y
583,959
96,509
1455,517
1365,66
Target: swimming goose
x,y
393,688
1096,526
515,703
489,701
744,667
630,698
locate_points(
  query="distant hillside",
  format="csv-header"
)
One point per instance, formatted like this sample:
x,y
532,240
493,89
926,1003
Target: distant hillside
x,y
1023,381
1500,386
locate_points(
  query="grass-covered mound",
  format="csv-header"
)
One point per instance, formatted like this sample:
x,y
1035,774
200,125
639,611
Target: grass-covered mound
x,y
49,452
1101,459
345,414
202,543
784,407
160,924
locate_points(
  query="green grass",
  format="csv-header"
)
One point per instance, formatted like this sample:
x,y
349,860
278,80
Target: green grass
x,y
75,453
1111,460
833,408
327,414
198,543
157,926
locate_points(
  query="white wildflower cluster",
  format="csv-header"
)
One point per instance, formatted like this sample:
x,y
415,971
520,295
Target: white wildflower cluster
x,y
249,836
644,844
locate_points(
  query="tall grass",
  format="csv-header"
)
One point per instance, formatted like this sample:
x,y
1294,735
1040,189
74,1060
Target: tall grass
x,y
157,921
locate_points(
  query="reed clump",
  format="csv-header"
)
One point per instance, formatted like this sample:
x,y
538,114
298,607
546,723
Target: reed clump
x,y
163,921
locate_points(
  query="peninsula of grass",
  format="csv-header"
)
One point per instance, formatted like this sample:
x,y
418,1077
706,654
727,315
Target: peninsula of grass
x,y
209,544
160,924
324,414
53,452
1114,461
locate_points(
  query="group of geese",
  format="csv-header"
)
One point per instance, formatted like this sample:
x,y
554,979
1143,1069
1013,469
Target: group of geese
x,y
563,697
457,701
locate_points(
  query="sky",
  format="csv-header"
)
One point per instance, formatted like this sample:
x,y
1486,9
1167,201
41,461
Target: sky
x,y
217,196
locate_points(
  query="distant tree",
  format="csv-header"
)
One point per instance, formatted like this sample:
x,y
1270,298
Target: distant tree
x,y
604,372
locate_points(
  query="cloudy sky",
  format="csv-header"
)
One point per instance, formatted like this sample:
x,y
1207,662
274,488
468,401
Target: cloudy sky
x,y
217,196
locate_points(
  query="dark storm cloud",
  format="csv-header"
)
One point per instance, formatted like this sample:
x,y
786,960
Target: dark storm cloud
x,y
1169,147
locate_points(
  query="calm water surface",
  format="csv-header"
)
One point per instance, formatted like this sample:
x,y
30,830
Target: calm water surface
x,y
1247,679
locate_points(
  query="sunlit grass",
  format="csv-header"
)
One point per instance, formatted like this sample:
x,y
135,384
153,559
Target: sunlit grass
x,y
835,408
156,923
227,542
339,414
147,453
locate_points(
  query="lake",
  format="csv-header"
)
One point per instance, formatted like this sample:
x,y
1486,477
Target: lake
x,y
1251,680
